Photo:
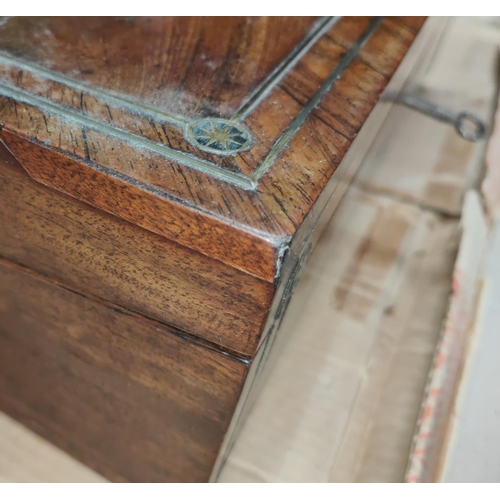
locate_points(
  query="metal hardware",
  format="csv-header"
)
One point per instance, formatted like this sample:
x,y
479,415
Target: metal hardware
x,y
219,136
466,124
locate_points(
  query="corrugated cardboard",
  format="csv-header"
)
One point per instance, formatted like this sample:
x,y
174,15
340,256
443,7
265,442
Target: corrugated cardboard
x,y
424,161
448,361
473,439
345,390
459,433
491,184
458,437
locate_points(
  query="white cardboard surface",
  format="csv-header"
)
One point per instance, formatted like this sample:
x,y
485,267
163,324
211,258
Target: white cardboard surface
x,y
427,163
26,457
437,408
472,454
344,393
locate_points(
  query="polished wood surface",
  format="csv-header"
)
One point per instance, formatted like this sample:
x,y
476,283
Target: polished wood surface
x,y
188,66
241,208
95,252
132,399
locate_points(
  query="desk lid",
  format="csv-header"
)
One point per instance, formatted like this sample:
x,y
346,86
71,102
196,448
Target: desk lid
x,y
217,133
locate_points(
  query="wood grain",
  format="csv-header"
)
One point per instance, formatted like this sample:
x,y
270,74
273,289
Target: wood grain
x,y
132,399
92,251
82,141
217,63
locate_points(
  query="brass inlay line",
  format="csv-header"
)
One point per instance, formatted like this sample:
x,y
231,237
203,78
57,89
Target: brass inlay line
x,y
321,27
313,36
116,98
284,139
174,154
246,182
